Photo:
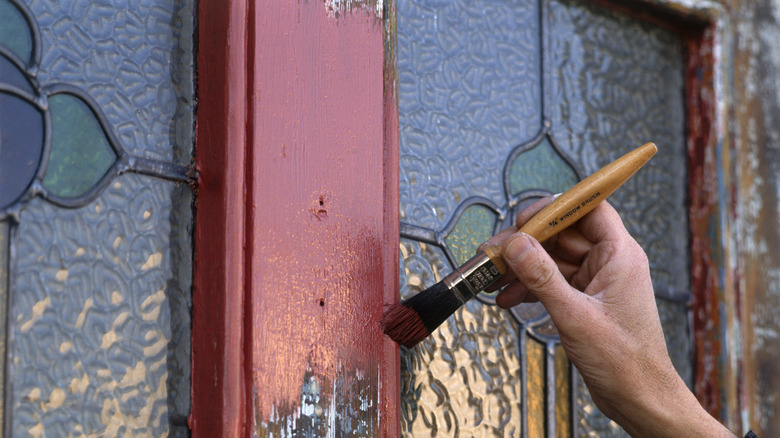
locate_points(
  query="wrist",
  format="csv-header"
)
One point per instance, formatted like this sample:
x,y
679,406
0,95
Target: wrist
x,y
674,413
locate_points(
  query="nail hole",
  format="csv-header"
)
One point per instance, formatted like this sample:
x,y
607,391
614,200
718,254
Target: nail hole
x,y
322,302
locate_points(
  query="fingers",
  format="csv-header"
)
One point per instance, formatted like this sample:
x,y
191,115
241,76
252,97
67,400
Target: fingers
x,y
531,211
537,271
602,223
513,295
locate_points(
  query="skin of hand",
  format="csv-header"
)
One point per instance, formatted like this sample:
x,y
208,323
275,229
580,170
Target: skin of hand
x,y
594,280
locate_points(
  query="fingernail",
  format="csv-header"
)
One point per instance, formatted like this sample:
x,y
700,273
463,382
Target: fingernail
x,y
517,246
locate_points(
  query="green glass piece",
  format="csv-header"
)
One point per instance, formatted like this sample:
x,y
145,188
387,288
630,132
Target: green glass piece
x,y
474,226
15,32
541,168
80,152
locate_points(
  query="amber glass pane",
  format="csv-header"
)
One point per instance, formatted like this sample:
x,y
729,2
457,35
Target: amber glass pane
x,y
536,386
562,393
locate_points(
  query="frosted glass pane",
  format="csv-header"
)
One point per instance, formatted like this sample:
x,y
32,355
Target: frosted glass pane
x,y
100,327
468,87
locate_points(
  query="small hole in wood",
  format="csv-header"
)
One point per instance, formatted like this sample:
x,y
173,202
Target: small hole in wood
x,y
322,302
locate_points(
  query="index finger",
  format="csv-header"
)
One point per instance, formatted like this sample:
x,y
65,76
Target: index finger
x,y
602,223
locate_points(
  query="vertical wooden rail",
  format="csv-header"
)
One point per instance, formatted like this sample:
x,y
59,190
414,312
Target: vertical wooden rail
x,y
218,397
322,221
297,220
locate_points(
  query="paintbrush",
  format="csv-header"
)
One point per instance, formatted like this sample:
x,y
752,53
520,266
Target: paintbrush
x,y
413,320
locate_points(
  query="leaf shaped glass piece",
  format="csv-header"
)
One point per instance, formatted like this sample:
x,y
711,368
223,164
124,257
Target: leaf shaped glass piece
x,y
21,143
541,168
15,33
474,226
80,150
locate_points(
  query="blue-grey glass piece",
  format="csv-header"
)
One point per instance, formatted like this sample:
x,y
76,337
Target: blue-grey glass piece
x,y
100,314
15,33
11,75
135,59
468,87
21,145
603,101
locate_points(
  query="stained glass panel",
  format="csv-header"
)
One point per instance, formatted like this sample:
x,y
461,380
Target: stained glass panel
x,y
599,101
98,339
604,100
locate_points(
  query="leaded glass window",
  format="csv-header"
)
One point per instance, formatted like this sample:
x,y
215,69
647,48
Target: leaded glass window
x,y
96,111
502,102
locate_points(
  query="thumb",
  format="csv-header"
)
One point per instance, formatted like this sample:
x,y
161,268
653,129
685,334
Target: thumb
x,y
535,269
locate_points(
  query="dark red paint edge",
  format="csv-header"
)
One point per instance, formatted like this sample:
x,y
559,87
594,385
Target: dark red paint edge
x,y
705,205
217,391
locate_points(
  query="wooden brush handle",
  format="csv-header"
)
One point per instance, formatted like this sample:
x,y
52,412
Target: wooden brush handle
x,y
576,202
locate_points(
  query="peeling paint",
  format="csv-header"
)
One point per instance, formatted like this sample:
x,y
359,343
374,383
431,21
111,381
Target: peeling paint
x,y
344,406
335,8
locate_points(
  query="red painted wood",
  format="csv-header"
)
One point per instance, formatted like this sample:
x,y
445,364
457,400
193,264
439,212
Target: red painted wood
x,y
321,221
705,205
218,398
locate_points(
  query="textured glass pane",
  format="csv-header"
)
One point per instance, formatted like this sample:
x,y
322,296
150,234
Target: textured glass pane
x,y
464,380
100,326
134,59
468,84
21,143
541,168
14,32
604,101
474,226
80,152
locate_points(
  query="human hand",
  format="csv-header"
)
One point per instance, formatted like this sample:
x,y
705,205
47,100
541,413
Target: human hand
x,y
594,280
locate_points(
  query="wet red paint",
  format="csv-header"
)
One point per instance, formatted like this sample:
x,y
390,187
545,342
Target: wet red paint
x,y
322,211
218,398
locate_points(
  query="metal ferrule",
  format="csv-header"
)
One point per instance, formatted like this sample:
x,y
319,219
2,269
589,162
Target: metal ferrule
x,y
472,277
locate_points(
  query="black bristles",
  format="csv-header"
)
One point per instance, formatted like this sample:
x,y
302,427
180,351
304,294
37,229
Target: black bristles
x,y
413,320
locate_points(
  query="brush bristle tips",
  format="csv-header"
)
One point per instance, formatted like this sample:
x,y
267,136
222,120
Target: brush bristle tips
x,y
403,325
